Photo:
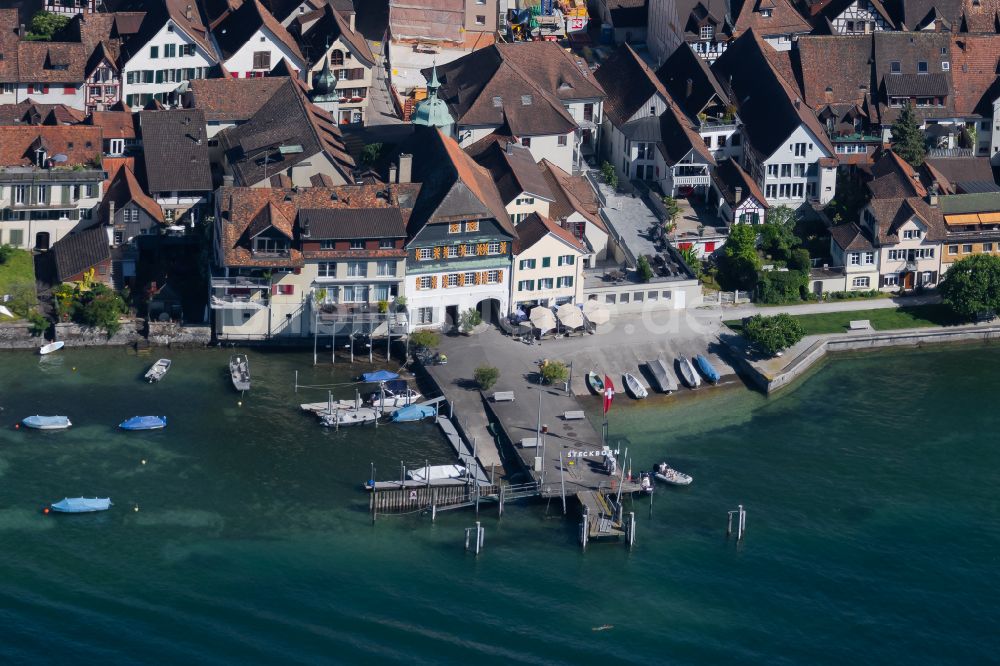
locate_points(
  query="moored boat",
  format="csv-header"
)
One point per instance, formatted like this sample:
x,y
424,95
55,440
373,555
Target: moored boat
x,y
634,386
662,377
80,505
144,423
668,474
348,417
436,473
158,369
688,373
47,422
645,483
51,347
595,383
413,413
707,369
239,370
394,393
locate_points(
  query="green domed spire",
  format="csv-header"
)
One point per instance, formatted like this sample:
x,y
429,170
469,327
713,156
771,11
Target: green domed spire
x,y
433,112
325,85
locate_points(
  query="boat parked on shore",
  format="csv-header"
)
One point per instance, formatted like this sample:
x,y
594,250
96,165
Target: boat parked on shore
x,y
80,505
144,423
158,369
47,422
707,369
239,371
634,386
687,372
668,474
595,383
662,377
51,347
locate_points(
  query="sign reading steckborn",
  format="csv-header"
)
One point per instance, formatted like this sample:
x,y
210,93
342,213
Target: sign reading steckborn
x,y
591,454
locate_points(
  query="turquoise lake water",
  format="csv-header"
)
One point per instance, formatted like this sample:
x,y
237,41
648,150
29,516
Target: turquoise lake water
x,y
871,490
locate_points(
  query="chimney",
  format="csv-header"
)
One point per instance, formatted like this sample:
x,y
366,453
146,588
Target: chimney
x,y
21,33
111,212
405,168
351,17
798,102
509,147
188,13
227,180
305,228
392,173
738,194
689,88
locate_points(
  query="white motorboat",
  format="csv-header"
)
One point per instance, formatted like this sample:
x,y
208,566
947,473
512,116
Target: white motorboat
x,y
668,474
634,386
46,422
340,418
239,371
156,372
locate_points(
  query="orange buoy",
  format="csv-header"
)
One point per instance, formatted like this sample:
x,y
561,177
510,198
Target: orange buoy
x,y
45,510
17,426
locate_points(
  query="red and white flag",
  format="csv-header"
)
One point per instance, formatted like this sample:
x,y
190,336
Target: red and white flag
x,y
609,393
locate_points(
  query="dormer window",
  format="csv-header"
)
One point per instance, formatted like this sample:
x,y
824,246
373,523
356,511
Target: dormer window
x,y
766,13
707,32
40,157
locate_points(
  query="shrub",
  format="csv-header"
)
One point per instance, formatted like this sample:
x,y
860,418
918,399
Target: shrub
x,y
553,371
6,252
781,286
610,177
772,334
644,270
383,307
469,320
23,298
39,324
487,376
100,307
424,339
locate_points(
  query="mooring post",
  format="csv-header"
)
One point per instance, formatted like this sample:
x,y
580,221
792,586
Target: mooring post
x,y
585,527
500,511
467,531
479,538
451,409
297,380
631,529
433,509
729,526
562,482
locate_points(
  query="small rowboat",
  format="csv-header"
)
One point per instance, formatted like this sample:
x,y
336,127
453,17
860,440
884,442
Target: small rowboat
x,y
51,347
144,423
80,505
663,379
634,386
47,422
688,373
156,372
707,369
595,383
668,474
239,370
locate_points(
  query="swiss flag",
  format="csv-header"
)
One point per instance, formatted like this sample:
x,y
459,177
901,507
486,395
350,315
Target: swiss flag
x,y
609,393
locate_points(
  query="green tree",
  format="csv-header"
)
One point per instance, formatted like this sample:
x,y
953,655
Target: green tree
x,y
487,376
371,153
44,25
690,257
907,139
673,209
775,287
610,177
23,298
425,339
777,235
739,262
469,320
972,285
643,269
553,371
99,307
772,334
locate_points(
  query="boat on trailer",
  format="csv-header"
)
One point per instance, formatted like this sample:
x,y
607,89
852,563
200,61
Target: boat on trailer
x,y
239,371
158,369
687,372
707,369
634,386
595,382
80,505
47,422
51,347
144,423
668,474
662,377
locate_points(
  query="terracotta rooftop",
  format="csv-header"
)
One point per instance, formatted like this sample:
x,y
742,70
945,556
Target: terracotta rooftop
x,y
123,190
629,83
81,144
573,194
975,64
535,227
770,17
229,99
115,124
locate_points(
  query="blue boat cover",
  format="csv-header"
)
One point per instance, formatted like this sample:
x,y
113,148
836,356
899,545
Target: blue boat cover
x,y
413,413
46,421
380,376
144,423
82,504
707,368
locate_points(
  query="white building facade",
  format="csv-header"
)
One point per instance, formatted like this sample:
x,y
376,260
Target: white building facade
x,y
159,66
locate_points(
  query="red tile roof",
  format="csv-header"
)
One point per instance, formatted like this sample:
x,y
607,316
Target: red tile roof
x,y
80,143
974,63
535,227
125,189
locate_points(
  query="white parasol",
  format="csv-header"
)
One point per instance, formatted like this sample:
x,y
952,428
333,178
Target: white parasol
x,y
542,319
570,316
596,313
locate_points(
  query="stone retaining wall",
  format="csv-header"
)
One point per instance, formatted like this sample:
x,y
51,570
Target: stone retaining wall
x,y
172,334
75,335
799,365
17,335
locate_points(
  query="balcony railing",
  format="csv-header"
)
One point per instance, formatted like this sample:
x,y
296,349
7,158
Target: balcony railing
x,y
681,181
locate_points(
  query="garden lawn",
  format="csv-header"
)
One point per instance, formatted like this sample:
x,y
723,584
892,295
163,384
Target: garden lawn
x,y
883,319
20,267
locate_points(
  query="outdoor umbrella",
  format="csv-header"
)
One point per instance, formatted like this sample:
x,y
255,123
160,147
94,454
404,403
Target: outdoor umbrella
x,y
595,313
570,316
542,319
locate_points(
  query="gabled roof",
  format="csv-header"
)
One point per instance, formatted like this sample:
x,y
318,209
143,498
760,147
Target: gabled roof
x,y
835,70
784,19
184,14
554,69
768,105
831,10
535,227
452,184
488,88
908,49
975,64
175,151
891,214
919,14
230,99
573,194
629,84
678,137
114,124
512,168
8,45
81,144
347,223
328,26
238,27
892,177
270,217
286,119
30,112
684,66
729,175
951,172
851,238
125,189
78,252
981,16
693,14
52,62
